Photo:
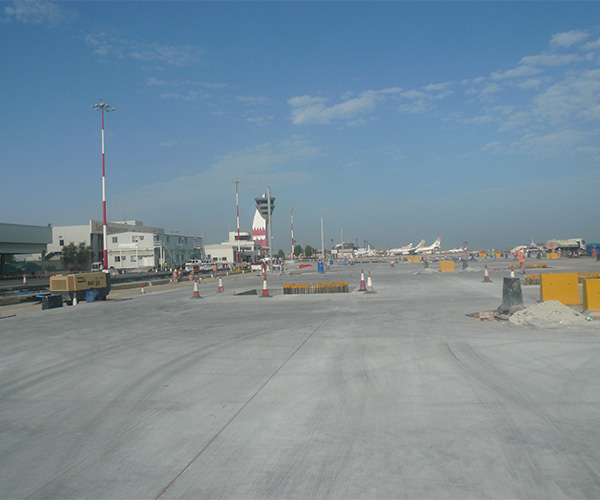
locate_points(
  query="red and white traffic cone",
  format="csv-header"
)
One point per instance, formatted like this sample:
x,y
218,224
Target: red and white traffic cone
x,y
196,293
369,283
486,276
512,271
362,288
24,279
220,287
392,263
265,292
142,291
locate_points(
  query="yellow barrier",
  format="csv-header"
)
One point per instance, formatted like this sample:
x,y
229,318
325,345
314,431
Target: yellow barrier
x,y
414,259
591,294
446,266
318,287
563,287
551,256
498,255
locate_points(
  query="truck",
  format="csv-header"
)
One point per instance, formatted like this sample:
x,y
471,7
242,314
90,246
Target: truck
x,y
78,286
574,247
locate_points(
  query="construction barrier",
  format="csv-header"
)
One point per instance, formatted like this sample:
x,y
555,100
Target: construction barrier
x,y
591,294
551,256
446,266
316,287
563,287
415,259
530,266
534,279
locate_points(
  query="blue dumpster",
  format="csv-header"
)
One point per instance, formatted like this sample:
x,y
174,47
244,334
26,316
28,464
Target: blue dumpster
x,y
320,267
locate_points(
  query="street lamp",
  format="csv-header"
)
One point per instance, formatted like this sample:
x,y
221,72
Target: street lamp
x,y
102,106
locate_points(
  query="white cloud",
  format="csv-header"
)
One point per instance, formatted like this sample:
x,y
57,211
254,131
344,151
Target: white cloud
x,y
36,12
252,100
550,59
518,72
491,146
592,45
110,43
154,82
551,144
276,164
192,95
531,83
569,38
313,110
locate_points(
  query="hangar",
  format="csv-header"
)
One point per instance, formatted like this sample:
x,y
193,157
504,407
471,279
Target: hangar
x,y
22,239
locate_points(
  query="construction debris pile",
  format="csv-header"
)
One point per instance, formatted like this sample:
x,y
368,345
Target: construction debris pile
x,y
550,314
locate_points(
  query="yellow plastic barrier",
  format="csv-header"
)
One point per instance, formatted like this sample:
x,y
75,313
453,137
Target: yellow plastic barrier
x,y
551,256
446,266
414,259
591,295
563,287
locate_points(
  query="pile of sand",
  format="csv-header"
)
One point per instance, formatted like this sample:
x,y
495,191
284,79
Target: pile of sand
x,y
550,314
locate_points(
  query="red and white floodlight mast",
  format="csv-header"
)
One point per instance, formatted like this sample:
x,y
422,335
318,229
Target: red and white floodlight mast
x,y
292,224
102,106
237,207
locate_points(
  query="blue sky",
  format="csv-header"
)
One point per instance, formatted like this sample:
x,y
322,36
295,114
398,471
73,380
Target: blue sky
x,y
395,121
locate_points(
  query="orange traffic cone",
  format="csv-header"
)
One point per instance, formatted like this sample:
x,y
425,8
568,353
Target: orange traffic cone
x,y
220,288
486,276
362,288
196,293
369,283
265,292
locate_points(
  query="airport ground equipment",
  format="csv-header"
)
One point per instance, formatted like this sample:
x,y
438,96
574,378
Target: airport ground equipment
x,y
77,286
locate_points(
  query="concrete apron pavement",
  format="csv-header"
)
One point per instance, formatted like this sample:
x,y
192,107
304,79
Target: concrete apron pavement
x,y
391,394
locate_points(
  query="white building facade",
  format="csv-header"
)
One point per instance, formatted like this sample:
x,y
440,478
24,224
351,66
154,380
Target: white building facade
x,y
227,252
130,244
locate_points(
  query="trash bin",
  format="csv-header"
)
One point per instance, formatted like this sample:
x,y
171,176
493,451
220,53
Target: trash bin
x,y
51,302
92,295
320,267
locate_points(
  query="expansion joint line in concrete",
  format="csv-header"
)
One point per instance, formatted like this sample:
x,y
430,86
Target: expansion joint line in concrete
x,y
237,413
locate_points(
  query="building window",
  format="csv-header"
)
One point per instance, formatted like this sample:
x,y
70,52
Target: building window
x,y
134,239
114,239
117,258
61,243
124,258
141,236
133,258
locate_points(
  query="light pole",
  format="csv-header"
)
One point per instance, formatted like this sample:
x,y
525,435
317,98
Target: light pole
x,y
102,106
237,207
292,223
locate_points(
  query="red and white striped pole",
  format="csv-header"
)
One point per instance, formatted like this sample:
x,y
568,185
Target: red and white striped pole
x,y
237,207
292,223
103,106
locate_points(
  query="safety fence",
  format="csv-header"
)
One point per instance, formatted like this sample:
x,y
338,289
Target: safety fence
x,y
315,287
535,279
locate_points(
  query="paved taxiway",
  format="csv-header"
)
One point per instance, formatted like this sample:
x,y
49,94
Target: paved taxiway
x,y
386,395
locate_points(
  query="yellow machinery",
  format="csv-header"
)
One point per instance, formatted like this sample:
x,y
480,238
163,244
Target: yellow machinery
x,y
78,285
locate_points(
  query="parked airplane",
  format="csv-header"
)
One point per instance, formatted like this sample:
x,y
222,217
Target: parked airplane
x,y
407,249
431,248
532,247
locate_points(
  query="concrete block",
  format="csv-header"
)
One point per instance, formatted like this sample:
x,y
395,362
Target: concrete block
x,y
563,287
591,295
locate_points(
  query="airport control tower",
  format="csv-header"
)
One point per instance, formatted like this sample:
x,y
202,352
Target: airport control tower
x,y
261,227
